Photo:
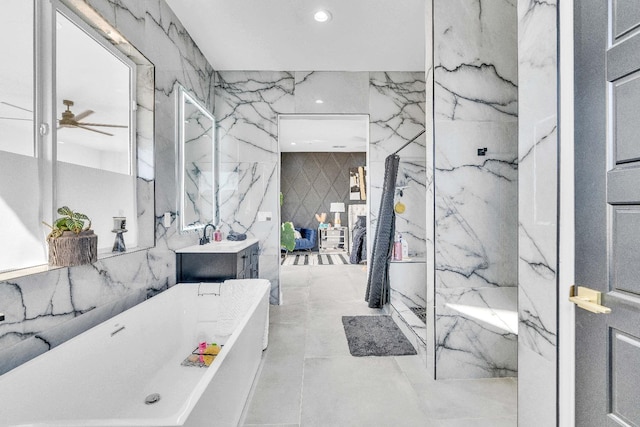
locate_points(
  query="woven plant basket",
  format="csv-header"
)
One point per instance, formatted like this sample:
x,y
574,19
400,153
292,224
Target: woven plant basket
x,y
73,249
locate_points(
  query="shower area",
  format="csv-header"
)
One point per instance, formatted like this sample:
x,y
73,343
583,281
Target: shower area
x,y
394,129
457,295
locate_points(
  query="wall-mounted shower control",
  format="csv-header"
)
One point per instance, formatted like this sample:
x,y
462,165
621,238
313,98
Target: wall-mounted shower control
x,y
482,151
1,317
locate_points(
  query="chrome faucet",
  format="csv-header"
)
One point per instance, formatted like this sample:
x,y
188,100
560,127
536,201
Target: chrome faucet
x,y
204,239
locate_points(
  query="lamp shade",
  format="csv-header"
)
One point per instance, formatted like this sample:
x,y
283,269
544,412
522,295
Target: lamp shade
x,y
337,207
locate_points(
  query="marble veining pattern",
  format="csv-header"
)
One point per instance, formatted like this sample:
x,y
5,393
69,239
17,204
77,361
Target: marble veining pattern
x,y
397,114
45,309
397,108
475,41
538,210
247,108
494,99
473,332
475,197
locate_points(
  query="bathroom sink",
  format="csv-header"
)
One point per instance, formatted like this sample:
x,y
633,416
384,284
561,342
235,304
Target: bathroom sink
x,y
225,246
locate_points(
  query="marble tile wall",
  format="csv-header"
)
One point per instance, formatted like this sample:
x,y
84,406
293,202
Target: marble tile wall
x,y
537,228
475,231
397,114
43,310
247,109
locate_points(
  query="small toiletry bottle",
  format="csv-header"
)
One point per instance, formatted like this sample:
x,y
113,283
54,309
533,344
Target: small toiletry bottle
x,y
217,235
201,339
397,248
405,247
202,346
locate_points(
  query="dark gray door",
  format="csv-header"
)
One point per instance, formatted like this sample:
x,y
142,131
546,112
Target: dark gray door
x,y
607,162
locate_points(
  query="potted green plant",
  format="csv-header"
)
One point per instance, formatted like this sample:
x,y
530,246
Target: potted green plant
x,y
287,236
71,241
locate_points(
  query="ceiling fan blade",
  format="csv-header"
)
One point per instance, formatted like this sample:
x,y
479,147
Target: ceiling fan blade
x,y
15,118
94,130
82,115
15,106
102,124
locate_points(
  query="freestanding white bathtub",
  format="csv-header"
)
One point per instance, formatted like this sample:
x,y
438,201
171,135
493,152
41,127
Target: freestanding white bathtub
x,y
103,376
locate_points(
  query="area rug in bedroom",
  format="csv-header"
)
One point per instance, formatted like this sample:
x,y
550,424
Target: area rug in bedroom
x,y
314,258
375,336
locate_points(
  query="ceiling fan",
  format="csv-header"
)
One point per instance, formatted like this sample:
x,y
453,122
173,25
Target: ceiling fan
x,y
70,120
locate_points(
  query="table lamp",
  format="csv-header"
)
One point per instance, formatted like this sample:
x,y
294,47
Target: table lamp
x,y
337,208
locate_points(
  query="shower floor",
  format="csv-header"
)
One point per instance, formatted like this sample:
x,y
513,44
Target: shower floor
x,y
421,312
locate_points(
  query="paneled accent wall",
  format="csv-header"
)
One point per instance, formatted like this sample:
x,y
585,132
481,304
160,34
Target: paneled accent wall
x,y
538,210
310,182
476,204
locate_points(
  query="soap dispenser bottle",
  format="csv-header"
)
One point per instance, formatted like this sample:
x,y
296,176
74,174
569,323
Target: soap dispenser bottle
x,y
405,247
397,248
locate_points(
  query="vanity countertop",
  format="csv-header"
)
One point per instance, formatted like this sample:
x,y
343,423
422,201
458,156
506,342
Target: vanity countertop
x,y
223,247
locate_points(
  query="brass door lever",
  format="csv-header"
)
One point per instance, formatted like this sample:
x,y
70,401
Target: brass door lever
x,y
588,299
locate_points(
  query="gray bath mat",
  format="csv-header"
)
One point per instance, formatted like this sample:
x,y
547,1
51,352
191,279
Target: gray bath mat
x,y
375,336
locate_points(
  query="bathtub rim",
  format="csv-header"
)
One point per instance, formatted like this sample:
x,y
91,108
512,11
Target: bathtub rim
x,y
182,413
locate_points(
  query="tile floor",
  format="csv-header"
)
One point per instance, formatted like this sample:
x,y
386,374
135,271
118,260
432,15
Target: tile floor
x,y
308,377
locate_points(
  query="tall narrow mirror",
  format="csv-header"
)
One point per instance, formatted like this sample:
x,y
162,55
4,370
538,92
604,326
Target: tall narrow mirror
x,y
196,131
95,139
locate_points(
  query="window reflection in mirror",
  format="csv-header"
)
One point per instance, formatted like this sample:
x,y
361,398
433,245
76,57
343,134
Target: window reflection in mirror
x,y
93,101
197,163
94,148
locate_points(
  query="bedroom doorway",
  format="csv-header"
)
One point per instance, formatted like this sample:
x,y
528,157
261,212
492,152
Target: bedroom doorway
x,y
323,188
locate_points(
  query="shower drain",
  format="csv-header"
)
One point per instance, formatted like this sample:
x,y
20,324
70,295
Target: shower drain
x,y
152,398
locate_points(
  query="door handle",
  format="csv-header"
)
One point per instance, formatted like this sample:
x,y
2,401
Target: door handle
x,y
588,299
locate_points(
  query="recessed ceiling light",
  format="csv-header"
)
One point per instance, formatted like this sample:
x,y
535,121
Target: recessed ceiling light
x,y
293,143
319,101
322,16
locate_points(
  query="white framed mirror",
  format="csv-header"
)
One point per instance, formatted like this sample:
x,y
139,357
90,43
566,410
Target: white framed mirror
x,y
196,174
